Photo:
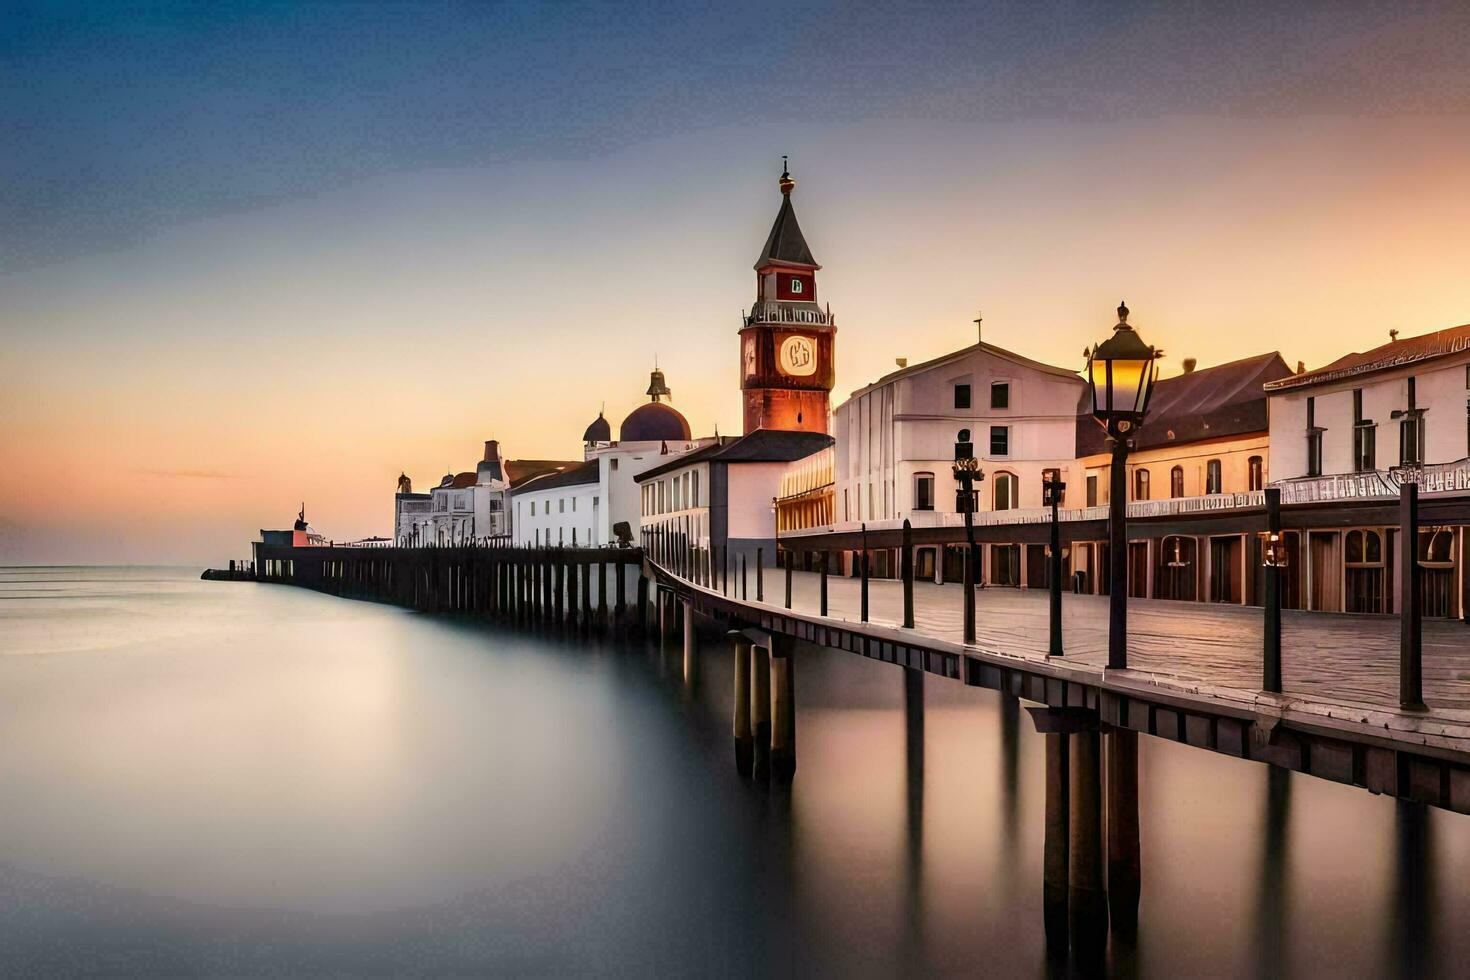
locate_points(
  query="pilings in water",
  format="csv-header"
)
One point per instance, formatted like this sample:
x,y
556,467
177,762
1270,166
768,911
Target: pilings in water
x,y
1124,854
1055,854
1087,891
527,586
744,742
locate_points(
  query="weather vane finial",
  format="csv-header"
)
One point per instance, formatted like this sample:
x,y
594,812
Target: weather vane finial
x,y
786,182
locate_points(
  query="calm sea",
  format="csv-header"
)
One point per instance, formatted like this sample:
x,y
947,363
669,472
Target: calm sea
x,y
249,779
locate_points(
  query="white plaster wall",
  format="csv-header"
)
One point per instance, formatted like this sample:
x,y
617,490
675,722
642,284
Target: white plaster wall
x,y
559,510
1440,390
751,487
911,425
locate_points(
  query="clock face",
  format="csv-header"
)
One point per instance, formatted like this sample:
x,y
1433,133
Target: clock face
x,y
750,357
798,356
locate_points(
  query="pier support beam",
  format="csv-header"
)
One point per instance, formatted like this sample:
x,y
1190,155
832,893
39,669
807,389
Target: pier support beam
x,y
783,708
1124,857
744,744
1055,873
760,709
1087,896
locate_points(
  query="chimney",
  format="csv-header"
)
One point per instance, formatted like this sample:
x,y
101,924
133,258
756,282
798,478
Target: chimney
x,y
492,450
1393,335
1301,367
902,362
1189,364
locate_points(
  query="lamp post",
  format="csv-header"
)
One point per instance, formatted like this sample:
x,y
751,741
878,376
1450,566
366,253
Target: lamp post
x,y
1120,372
1051,495
967,473
1274,559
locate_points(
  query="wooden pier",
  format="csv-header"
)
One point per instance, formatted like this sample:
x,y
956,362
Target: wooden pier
x,y
592,589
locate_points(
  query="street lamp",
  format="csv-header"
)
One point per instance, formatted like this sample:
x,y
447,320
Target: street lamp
x,y
1052,488
1121,372
967,473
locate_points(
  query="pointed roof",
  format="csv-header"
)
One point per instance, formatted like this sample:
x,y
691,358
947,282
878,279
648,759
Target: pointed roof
x,y
785,244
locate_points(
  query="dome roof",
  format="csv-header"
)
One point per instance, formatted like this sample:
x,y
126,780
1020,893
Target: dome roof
x,y
598,431
653,422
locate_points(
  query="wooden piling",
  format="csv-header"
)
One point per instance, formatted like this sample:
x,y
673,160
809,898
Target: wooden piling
x,y
744,743
1087,896
783,721
1124,854
760,710
1054,875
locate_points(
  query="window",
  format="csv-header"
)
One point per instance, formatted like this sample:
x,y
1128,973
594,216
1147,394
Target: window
x,y
612,464
1140,484
694,489
1255,469
1007,490
1363,549
923,491
1000,394
1363,436
1092,490
1314,440
1000,440
1212,476
1176,482
533,508
961,396
561,506
1411,432
574,505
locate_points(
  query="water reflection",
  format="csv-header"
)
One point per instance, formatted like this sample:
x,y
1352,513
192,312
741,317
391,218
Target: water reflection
x,y
312,785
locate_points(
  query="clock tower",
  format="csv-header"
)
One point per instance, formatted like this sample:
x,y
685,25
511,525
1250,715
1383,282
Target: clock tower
x,y
786,372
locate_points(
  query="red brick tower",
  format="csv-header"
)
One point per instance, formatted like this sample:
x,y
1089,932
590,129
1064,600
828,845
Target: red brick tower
x,y
786,372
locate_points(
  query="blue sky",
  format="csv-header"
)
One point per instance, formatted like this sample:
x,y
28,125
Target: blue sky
x,y
252,254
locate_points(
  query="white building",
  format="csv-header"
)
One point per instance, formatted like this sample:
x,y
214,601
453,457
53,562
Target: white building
x,y
1341,437
722,496
469,506
897,438
590,500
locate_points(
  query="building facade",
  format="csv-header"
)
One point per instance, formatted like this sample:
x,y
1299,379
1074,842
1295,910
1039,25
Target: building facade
x,y
597,502
721,498
1343,440
897,440
1206,438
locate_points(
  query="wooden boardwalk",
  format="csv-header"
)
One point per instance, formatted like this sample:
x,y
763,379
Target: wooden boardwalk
x,y
1352,660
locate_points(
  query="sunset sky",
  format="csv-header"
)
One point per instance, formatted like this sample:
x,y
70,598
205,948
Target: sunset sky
x,y
254,254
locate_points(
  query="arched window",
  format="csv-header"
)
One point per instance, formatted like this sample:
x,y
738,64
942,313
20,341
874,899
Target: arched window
x,y
1176,482
1007,491
1363,549
1212,476
1140,484
1255,473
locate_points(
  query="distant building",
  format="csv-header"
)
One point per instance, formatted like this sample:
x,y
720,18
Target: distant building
x,y
301,535
1206,435
1342,439
806,498
586,502
897,440
723,495
467,506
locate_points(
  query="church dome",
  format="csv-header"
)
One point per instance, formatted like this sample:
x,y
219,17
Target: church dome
x,y
653,422
598,431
